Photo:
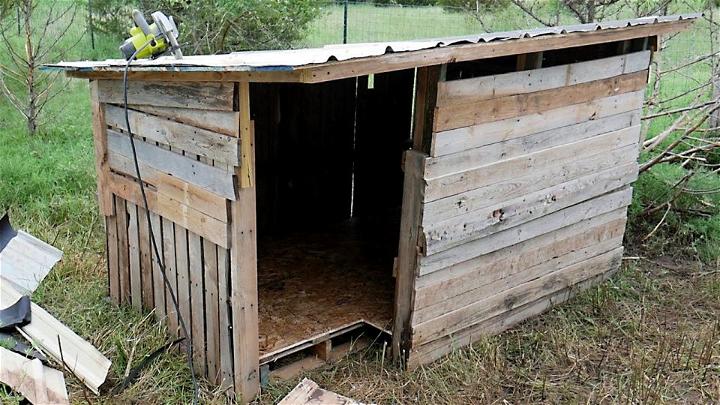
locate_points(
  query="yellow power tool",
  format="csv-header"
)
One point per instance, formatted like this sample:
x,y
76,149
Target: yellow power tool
x,y
152,40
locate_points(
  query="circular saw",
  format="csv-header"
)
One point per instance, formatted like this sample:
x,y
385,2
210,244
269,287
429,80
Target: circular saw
x,y
152,40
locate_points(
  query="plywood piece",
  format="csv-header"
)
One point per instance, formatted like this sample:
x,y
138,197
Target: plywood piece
x,y
463,115
466,138
211,145
223,122
199,95
197,300
212,310
528,81
82,358
39,384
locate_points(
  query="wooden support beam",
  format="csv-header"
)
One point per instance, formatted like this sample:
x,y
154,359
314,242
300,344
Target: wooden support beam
x,y
102,166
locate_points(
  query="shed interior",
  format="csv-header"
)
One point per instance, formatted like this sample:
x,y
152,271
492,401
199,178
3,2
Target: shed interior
x,y
329,194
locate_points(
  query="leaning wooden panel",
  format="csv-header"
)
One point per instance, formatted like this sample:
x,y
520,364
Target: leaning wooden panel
x,y
200,95
463,115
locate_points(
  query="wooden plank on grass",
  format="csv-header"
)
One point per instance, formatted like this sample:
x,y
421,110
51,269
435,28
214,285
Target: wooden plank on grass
x,y
200,95
112,258
463,115
146,271
473,200
154,158
211,145
183,277
496,172
212,310
515,297
123,249
134,251
528,81
223,122
170,272
440,236
462,139
512,148
197,300
531,229
157,276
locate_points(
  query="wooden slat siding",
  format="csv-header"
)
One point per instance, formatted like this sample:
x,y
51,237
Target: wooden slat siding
x,y
153,158
211,145
463,115
212,310
432,351
199,95
182,261
102,168
158,283
505,150
528,81
425,99
468,275
531,229
205,225
194,197
112,258
225,322
462,139
197,301
440,236
123,249
134,252
168,241
146,271
460,204
508,281
408,251
223,122
457,183
243,267
514,297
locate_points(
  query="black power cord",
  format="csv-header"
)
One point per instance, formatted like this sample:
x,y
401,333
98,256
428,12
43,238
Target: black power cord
x,y
160,261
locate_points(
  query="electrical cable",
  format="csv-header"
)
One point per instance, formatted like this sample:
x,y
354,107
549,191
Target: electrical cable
x,y
160,261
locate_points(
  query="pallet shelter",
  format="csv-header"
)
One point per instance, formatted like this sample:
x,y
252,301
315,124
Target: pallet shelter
x,y
435,191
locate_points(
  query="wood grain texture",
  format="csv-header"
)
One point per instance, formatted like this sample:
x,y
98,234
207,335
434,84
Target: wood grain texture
x,y
197,301
182,261
101,150
211,145
113,269
171,274
199,95
134,252
157,273
212,310
466,138
146,270
463,115
528,81
222,122
123,250
225,378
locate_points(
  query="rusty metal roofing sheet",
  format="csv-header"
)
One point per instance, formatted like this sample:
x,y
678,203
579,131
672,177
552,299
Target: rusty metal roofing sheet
x,y
294,58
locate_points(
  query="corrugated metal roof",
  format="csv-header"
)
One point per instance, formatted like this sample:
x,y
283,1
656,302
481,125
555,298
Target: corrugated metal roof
x,y
294,58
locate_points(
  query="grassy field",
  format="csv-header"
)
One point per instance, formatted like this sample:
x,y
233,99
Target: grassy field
x,y
651,334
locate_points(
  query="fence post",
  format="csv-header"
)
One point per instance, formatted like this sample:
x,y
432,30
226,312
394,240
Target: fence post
x,y
345,13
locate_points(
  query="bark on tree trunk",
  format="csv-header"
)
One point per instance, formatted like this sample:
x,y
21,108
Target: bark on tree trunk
x,y
31,112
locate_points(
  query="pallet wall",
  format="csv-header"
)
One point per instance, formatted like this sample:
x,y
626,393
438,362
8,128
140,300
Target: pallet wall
x,y
189,145
523,195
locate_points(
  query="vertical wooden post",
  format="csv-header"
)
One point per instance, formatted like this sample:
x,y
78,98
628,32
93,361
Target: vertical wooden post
x,y
102,167
243,261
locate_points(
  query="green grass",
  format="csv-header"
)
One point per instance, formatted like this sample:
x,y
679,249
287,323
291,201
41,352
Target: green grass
x,y
649,335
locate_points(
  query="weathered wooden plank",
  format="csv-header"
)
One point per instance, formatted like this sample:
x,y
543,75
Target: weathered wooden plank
x,y
212,310
531,229
197,301
423,354
410,219
505,150
194,197
463,115
157,275
146,271
223,122
112,258
123,249
496,172
195,140
440,236
101,151
182,261
199,95
183,215
134,252
460,204
509,279
461,139
168,231
515,297
154,158
427,79
225,378
528,81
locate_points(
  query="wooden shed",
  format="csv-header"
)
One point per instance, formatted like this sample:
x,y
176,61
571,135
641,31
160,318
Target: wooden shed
x,y
433,191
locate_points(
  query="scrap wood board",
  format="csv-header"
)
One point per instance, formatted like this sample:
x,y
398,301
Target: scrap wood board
x,y
309,393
